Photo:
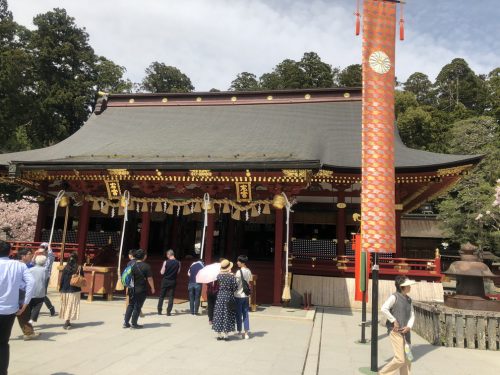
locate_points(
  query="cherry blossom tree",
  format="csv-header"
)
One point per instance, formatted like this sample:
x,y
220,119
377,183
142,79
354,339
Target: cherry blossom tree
x,y
18,219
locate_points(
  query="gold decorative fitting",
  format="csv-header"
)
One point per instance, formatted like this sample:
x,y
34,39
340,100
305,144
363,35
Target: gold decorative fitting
x,y
131,101
247,173
199,99
307,96
347,95
113,189
323,173
297,173
118,172
64,201
269,97
356,217
398,207
454,170
279,201
341,205
243,191
36,174
164,100
234,98
200,173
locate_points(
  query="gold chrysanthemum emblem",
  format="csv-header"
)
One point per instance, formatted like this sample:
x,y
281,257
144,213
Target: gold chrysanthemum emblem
x,y
379,62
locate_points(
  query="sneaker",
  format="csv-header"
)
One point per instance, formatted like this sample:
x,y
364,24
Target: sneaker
x,y
169,314
33,336
126,325
136,326
52,311
67,325
159,312
141,315
245,336
31,321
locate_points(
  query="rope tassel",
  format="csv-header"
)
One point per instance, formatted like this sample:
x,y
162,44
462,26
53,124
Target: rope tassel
x,y
358,16
401,23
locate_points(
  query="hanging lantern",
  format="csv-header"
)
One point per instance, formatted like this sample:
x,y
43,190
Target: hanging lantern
x,y
266,210
279,201
158,207
95,206
170,209
64,201
145,207
226,209
254,212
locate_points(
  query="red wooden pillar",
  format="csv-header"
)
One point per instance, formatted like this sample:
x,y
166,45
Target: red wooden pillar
x,y
146,220
399,247
209,239
41,219
278,254
83,229
341,224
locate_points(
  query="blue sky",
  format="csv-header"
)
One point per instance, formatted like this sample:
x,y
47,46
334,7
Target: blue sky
x,y
213,40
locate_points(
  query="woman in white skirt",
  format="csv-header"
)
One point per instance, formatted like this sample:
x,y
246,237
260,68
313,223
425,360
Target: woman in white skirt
x,y
70,295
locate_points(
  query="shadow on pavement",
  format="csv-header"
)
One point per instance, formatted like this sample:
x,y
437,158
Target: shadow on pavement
x,y
421,350
258,334
156,325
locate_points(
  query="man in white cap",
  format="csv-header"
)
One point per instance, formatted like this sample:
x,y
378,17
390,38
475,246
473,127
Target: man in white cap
x,y
47,251
400,317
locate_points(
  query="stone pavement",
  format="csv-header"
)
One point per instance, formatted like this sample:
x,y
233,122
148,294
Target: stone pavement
x,y
284,341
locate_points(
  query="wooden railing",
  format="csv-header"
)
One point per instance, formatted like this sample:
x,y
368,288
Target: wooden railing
x,y
90,249
344,265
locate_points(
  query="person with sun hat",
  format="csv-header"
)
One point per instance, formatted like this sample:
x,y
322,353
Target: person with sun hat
x,y
224,314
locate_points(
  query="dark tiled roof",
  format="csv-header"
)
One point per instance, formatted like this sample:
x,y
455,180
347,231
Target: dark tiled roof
x,y
261,135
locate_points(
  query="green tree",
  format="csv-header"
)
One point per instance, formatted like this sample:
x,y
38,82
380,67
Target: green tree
x,y
286,75
16,85
493,86
316,73
165,78
402,101
420,85
245,82
64,76
110,77
351,76
475,193
457,83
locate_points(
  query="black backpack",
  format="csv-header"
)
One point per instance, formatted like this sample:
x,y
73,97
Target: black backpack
x,y
246,287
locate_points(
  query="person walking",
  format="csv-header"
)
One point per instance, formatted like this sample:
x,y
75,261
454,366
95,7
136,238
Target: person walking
x,y
194,288
170,269
13,276
39,275
224,313
47,251
400,317
25,256
141,276
70,295
243,278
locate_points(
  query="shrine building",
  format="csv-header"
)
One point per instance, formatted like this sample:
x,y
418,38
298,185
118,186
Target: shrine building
x,y
243,149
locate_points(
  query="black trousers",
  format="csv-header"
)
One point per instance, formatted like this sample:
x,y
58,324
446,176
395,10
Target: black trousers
x,y
35,306
211,299
167,290
6,323
136,301
46,299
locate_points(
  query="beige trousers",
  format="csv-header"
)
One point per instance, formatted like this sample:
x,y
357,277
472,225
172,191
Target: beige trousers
x,y
399,362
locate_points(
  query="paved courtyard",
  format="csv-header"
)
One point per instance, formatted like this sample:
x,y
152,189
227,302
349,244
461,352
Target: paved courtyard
x,y
284,341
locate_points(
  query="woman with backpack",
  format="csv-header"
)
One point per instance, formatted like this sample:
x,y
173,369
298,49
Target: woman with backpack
x,y
242,294
70,295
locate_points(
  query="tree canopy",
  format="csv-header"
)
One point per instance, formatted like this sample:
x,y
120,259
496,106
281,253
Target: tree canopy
x,y
163,78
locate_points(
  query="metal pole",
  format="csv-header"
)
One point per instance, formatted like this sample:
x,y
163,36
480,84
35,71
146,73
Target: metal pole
x,y
374,342
363,318
65,230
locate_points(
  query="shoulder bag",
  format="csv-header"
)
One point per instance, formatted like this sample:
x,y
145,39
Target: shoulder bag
x,y
77,279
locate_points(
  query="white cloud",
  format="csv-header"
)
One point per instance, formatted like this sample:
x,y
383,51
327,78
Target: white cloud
x,y
213,40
